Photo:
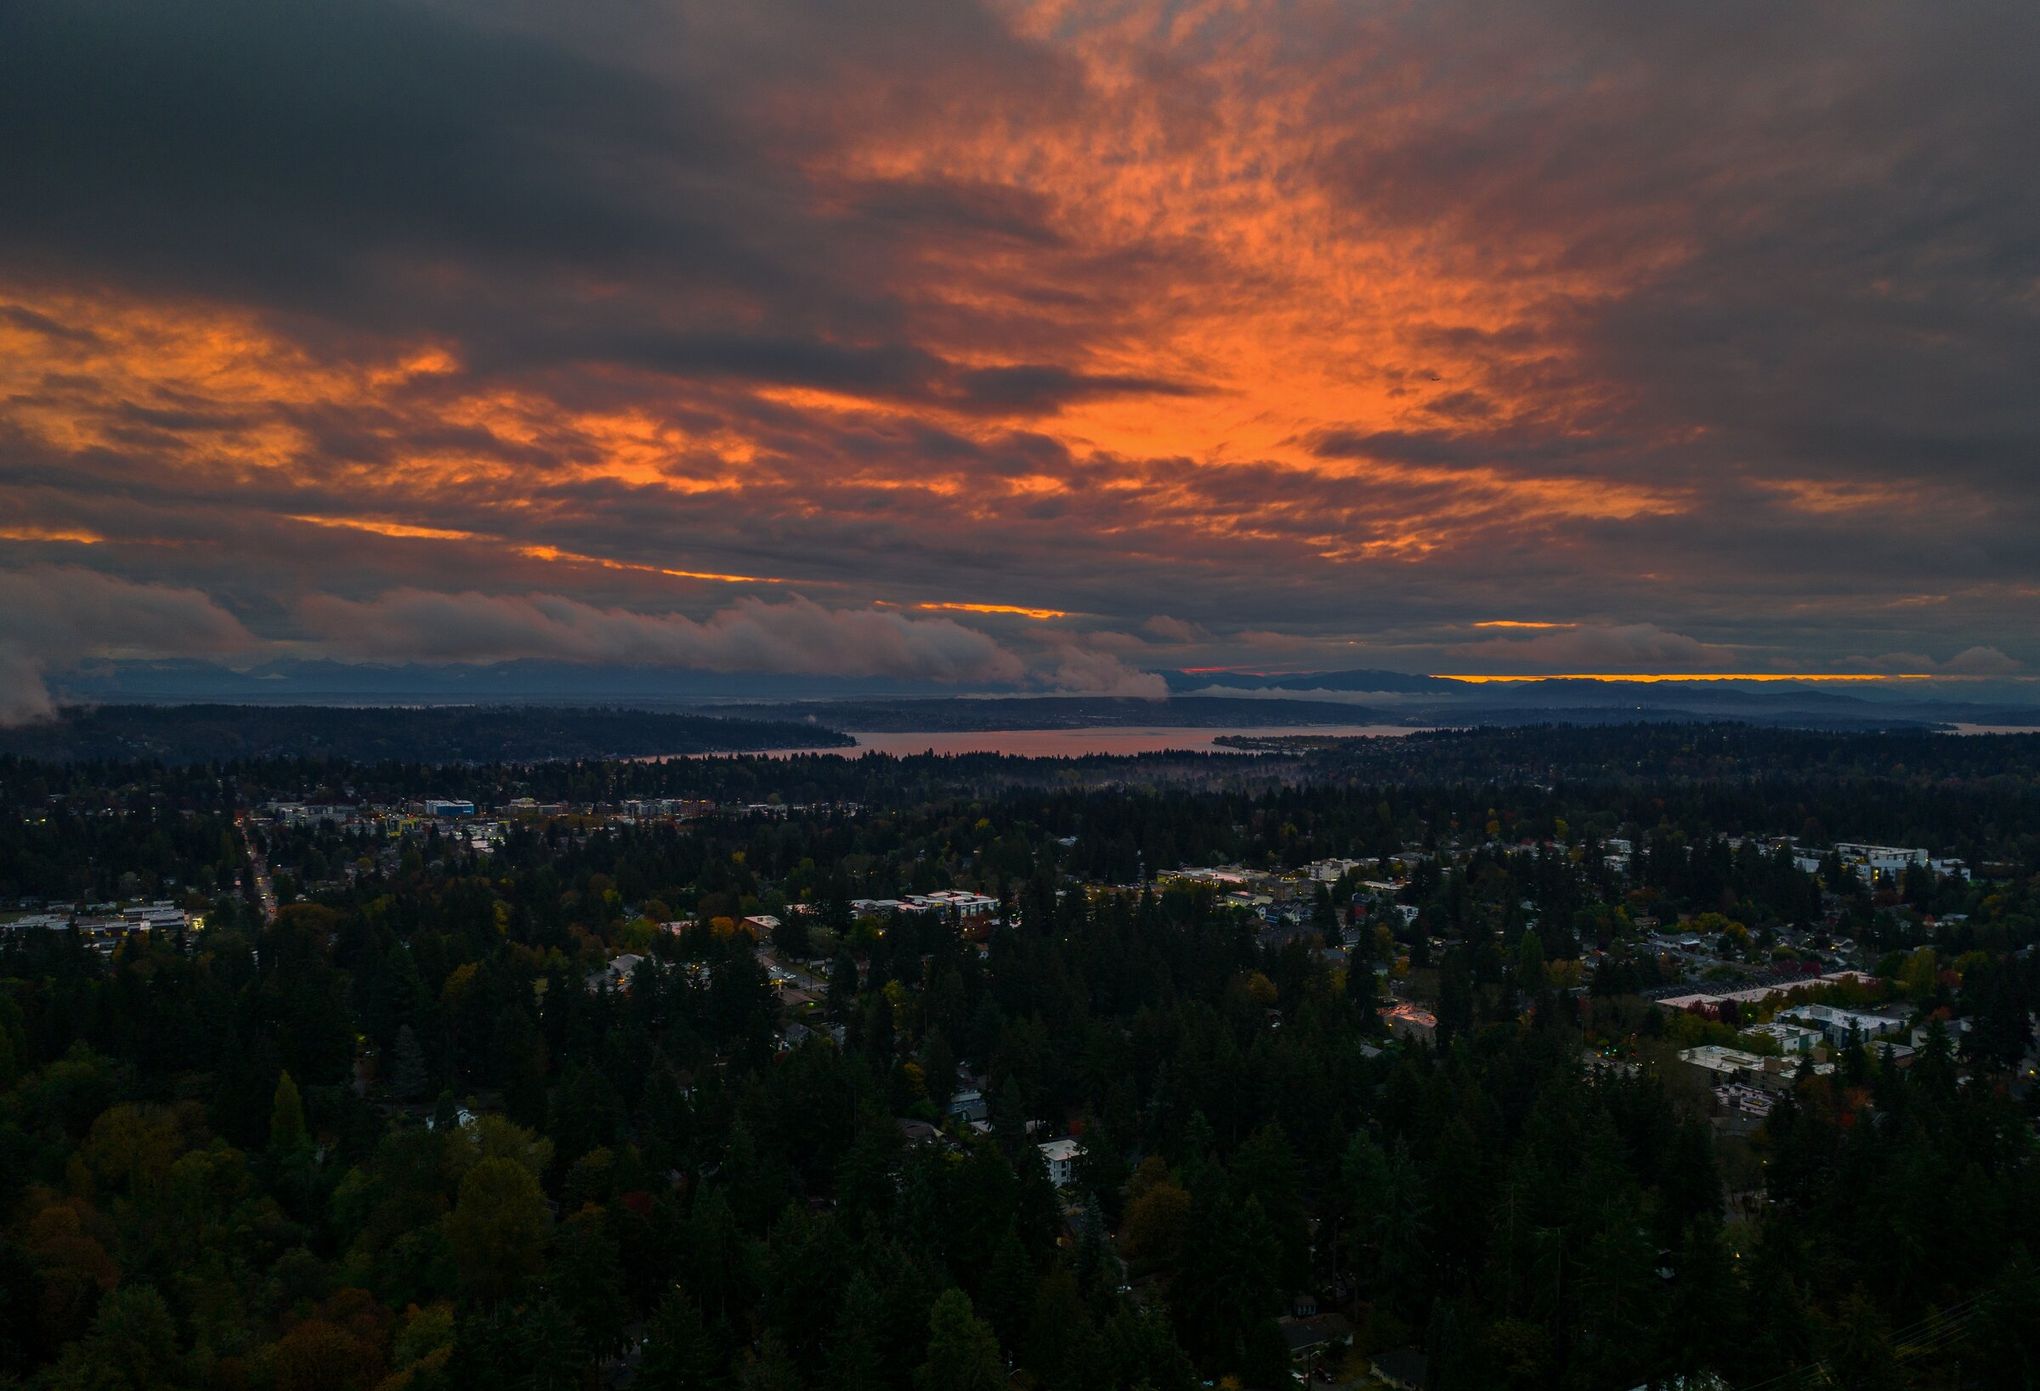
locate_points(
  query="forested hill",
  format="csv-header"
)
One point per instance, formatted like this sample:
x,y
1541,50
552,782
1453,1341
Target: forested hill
x,y
1657,751
459,734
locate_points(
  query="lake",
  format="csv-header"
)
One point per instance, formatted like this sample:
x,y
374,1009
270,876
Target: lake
x,y
1072,743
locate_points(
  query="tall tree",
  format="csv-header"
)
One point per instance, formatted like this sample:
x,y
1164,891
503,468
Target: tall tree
x,y
498,1227
963,1351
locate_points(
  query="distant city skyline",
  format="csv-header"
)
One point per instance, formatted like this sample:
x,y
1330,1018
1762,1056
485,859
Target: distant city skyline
x,y
1012,346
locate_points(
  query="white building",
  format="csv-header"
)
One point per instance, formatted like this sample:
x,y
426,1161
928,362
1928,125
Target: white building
x,y
1723,1062
1840,1025
614,976
1061,1158
1794,1040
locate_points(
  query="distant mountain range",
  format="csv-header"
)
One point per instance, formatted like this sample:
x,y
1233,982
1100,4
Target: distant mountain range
x,y
1228,699
416,734
1061,712
1441,700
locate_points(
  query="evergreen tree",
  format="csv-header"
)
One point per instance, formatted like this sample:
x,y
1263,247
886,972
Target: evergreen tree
x,y
678,1353
408,1076
963,1351
287,1134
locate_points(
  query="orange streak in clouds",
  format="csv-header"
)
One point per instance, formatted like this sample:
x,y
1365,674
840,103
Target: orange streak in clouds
x,y
41,533
602,562
398,529
1693,676
998,608
1519,623
406,531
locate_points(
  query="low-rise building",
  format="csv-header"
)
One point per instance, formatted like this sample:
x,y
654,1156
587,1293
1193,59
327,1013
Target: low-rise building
x,y
1061,1158
1841,1025
614,976
1793,1040
1410,1021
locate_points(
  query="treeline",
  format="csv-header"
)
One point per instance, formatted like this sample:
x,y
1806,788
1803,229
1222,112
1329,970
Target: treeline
x,y
208,733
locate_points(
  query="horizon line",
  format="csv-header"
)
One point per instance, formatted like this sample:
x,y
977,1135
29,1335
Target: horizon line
x,y
1478,678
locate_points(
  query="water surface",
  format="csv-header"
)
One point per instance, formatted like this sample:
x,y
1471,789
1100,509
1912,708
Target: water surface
x,y
1074,743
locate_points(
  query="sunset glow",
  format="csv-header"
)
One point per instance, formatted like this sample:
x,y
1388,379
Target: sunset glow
x,y
1239,335
1039,614
1654,677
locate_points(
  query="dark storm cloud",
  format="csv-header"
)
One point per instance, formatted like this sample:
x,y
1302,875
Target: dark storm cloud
x,y
397,167
282,150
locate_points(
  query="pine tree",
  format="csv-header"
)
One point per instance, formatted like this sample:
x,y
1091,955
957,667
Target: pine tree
x,y
679,1354
842,986
408,1076
287,1133
963,1352
855,1360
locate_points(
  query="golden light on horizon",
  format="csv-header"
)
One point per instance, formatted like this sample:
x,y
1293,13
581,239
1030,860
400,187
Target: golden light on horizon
x,y
1482,678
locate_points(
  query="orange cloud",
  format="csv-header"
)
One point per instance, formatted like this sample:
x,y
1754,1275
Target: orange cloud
x,y
381,528
50,534
1345,321
1039,614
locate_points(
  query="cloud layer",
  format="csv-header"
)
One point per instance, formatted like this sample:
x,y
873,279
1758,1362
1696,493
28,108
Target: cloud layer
x,y
52,615
795,637
731,336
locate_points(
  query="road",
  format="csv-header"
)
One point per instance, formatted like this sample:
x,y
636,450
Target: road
x,y
796,977
265,888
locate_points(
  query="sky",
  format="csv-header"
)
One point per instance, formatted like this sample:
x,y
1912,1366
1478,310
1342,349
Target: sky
x,y
1021,346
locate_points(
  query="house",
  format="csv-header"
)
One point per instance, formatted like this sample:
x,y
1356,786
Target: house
x,y
1956,1030
1314,1335
1408,1021
969,1106
615,976
1061,1158
1404,1369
